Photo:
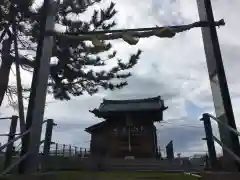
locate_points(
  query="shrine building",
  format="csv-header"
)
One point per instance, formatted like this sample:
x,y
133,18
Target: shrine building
x,y
128,128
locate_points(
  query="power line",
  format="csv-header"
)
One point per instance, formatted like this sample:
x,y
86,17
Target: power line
x,y
57,101
183,125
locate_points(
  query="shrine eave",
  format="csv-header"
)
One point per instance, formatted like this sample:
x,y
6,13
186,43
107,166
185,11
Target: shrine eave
x,y
90,129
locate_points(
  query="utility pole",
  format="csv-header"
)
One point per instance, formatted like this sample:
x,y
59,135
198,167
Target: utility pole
x,y
37,99
220,92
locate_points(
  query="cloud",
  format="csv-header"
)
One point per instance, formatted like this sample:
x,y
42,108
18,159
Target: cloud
x,y
173,68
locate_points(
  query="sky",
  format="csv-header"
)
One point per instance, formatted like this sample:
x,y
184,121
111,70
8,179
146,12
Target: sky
x,y
173,68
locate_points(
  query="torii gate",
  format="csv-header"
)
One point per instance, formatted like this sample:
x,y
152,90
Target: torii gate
x,y
220,92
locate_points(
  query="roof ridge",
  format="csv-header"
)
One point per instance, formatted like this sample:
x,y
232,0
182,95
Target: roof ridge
x,y
150,99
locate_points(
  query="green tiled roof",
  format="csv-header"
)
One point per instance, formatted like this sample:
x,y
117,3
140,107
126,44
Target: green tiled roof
x,y
148,104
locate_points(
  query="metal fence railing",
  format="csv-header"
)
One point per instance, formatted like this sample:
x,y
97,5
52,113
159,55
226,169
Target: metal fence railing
x,y
223,124
211,138
57,149
10,144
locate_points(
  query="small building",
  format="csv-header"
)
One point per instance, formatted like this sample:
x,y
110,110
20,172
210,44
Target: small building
x,y
128,128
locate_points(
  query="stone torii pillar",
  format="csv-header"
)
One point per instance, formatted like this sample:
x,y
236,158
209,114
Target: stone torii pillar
x,y
220,92
36,106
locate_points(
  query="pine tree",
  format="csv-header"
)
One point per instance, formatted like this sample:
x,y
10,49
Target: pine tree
x,y
69,75
20,10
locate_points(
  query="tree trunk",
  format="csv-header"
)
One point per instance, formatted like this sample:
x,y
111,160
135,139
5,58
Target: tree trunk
x,y
5,67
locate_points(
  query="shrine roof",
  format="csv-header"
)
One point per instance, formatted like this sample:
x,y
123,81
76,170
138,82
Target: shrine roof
x,y
90,129
147,104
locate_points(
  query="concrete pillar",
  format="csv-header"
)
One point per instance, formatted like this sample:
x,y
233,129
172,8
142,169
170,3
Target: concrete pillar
x,y
36,106
220,92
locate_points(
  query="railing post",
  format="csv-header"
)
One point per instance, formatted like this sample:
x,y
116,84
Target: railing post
x,y
47,141
210,141
75,150
85,152
63,151
80,152
48,136
56,153
9,151
70,150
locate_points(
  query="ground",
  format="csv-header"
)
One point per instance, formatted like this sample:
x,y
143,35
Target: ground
x,y
107,176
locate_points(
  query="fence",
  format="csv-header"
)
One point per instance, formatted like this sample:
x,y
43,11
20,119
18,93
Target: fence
x,y
11,136
210,138
12,151
57,149
54,153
